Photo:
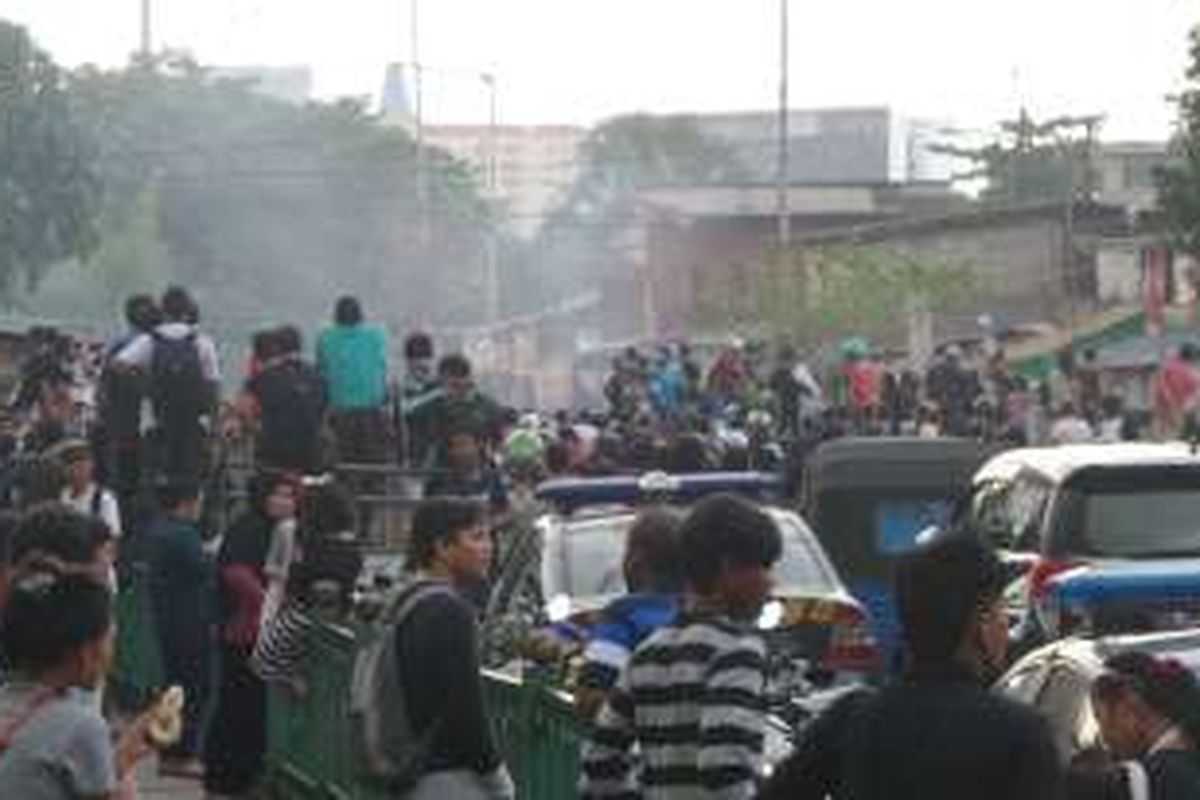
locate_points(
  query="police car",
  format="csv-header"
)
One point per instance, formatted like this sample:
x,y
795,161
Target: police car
x,y
1115,508
817,633
1057,679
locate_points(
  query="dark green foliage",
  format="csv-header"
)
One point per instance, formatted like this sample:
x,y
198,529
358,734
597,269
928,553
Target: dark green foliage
x,y
1179,183
49,194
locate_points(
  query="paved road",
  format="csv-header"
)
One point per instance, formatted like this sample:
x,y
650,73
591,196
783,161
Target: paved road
x,y
152,787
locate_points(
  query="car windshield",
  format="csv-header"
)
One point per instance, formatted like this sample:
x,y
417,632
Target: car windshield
x,y
587,560
1142,524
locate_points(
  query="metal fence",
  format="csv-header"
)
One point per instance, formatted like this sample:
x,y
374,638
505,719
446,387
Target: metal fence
x,y
310,741
384,495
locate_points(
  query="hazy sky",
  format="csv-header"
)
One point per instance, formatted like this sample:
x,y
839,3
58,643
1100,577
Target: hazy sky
x,y
962,61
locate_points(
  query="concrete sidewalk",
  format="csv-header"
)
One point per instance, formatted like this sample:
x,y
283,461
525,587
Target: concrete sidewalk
x,y
152,787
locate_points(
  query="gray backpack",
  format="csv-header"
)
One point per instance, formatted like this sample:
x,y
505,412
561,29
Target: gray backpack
x,y
391,754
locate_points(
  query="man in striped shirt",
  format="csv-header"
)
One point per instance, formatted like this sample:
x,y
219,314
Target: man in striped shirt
x,y
686,719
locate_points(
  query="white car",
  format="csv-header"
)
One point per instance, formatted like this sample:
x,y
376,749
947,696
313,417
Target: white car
x,y
1057,679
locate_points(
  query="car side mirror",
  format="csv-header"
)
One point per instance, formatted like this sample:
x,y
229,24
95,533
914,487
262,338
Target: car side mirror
x,y
927,534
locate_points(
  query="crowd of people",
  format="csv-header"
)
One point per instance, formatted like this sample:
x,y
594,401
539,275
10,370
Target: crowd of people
x,y
107,453
749,390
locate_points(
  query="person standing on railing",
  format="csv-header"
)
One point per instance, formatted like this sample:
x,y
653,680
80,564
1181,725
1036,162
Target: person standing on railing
x,y
687,717
184,384
352,357
437,656
289,399
121,393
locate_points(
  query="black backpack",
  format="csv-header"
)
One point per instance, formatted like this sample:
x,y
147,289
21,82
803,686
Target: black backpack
x,y
178,390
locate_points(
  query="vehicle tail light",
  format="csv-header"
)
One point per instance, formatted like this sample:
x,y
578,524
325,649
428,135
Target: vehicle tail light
x,y
852,646
1042,572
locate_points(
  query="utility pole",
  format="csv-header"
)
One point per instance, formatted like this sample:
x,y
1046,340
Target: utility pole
x,y
147,40
783,212
492,244
423,231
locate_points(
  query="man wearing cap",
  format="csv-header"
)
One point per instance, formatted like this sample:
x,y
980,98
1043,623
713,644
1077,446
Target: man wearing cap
x,y
82,493
937,732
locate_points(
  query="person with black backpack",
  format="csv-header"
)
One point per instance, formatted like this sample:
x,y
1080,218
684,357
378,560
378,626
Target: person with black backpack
x,y
184,376
290,399
121,392
416,696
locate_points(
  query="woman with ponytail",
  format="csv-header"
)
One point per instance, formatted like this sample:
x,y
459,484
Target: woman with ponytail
x,y
1148,711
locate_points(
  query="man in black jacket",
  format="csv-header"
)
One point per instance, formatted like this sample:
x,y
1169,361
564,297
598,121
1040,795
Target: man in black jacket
x,y
291,399
438,656
937,733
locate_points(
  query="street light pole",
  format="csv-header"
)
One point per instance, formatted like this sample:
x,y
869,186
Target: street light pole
x,y
783,212
147,41
418,123
492,245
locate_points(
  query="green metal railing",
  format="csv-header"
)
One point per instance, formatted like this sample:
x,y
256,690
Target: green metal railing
x,y
311,744
538,735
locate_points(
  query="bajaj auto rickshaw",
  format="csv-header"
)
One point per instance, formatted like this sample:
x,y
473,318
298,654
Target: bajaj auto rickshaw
x,y
869,499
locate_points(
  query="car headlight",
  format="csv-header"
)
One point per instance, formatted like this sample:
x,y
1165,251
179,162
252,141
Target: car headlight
x,y
770,616
559,608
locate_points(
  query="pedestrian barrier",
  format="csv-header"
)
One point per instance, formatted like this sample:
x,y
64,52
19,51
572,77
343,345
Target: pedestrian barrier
x,y
310,742
311,756
384,495
538,735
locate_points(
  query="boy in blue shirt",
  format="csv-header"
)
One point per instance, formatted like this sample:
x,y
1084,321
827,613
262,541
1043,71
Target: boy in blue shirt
x,y
655,582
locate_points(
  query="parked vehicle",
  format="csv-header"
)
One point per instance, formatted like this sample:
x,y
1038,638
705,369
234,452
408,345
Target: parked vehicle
x,y
817,633
1057,678
1126,598
869,499
1109,506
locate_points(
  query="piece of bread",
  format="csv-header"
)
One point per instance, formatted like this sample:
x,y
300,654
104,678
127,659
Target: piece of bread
x,y
166,718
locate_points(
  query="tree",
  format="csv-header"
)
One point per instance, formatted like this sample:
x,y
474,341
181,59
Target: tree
x,y
822,295
1179,183
270,210
618,159
1031,161
49,195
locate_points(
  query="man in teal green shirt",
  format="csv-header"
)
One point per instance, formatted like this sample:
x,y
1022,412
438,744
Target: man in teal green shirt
x,y
352,356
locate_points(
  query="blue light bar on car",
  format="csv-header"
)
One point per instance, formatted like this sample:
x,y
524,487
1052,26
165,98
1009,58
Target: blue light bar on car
x,y
574,493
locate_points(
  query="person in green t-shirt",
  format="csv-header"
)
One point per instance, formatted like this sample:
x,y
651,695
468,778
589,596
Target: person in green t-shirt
x,y
352,357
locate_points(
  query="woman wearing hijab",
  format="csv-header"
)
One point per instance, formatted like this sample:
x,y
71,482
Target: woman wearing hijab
x,y
1148,711
236,741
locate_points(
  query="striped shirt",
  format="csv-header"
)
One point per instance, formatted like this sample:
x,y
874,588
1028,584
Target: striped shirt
x,y
691,704
282,641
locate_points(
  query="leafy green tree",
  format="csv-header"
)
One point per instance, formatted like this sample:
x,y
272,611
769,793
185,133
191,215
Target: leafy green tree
x,y
49,195
579,241
1031,161
270,210
816,296
1179,183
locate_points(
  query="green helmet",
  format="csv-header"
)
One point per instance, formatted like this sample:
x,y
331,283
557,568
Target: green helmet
x,y
524,447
